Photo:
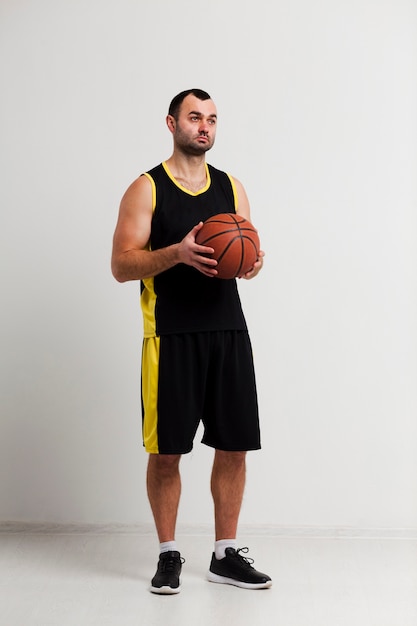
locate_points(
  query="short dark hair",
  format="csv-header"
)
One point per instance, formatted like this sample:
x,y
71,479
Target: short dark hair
x,y
176,102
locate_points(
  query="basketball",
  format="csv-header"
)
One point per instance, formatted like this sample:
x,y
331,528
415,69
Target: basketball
x,y
235,242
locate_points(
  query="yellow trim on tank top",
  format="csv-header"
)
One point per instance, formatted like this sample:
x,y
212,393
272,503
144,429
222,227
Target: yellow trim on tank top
x,y
191,193
148,304
235,196
151,180
148,295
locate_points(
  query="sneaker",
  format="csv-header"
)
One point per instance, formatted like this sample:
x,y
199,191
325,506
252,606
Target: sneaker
x,y
237,570
167,577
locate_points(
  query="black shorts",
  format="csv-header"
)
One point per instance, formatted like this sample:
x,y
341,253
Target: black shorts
x,y
193,377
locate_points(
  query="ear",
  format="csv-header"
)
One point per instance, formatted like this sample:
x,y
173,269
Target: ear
x,y
170,123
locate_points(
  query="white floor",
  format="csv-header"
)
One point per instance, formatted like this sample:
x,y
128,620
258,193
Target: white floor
x,y
101,579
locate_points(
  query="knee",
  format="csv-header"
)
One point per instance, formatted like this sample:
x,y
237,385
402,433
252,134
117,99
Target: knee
x,y
232,460
163,464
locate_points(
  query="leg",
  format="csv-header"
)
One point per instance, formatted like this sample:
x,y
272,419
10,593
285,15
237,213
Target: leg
x,y
227,486
164,490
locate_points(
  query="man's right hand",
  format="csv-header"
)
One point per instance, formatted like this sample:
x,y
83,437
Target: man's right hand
x,y
191,253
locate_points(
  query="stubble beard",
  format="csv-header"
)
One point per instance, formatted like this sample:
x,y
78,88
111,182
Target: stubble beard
x,y
191,147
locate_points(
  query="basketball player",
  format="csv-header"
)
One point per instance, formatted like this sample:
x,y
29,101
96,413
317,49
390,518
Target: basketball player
x,y
197,360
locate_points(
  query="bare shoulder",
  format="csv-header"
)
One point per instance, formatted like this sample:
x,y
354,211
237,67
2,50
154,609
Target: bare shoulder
x,y
138,195
135,215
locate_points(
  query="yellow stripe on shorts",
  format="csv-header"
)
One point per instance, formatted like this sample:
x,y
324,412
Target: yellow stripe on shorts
x,y
150,371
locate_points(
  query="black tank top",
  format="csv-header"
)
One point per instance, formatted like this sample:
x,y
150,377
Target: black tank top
x,y
182,299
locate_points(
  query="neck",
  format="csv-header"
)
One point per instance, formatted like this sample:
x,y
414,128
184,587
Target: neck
x,y
190,172
186,166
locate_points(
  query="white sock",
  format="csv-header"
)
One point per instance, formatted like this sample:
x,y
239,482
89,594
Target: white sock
x,y
167,546
221,545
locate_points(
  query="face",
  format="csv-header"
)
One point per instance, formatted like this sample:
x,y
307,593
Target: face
x,y
195,130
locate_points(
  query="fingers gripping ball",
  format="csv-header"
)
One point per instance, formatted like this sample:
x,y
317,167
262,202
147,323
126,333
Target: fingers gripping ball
x,y
235,242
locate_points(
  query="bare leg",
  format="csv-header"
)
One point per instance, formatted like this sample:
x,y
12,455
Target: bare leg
x,y
227,486
164,490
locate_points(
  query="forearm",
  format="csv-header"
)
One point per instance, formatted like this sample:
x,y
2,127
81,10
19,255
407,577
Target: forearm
x,y
139,264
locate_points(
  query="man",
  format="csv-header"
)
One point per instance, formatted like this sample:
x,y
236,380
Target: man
x,y
197,361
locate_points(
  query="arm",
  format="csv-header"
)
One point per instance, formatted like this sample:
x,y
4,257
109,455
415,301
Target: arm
x,y
243,209
131,258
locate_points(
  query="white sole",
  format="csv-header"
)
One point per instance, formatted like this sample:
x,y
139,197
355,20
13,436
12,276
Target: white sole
x,y
215,578
165,591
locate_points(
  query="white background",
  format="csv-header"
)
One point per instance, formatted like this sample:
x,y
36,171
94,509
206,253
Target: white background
x,y
317,106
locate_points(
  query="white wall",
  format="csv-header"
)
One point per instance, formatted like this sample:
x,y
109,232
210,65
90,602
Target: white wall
x,y
317,103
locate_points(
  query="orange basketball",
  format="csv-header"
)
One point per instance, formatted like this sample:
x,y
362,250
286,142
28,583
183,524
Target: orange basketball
x,y
235,242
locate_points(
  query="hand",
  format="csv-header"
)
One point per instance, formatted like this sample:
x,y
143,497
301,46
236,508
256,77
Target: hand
x,y
257,266
191,253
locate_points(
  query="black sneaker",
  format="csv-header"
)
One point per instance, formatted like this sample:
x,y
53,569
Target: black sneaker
x,y
237,570
167,577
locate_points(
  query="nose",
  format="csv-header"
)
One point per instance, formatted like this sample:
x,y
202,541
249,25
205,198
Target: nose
x,y
204,127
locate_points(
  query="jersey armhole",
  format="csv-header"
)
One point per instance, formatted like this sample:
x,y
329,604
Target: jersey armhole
x,y
149,177
235,197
